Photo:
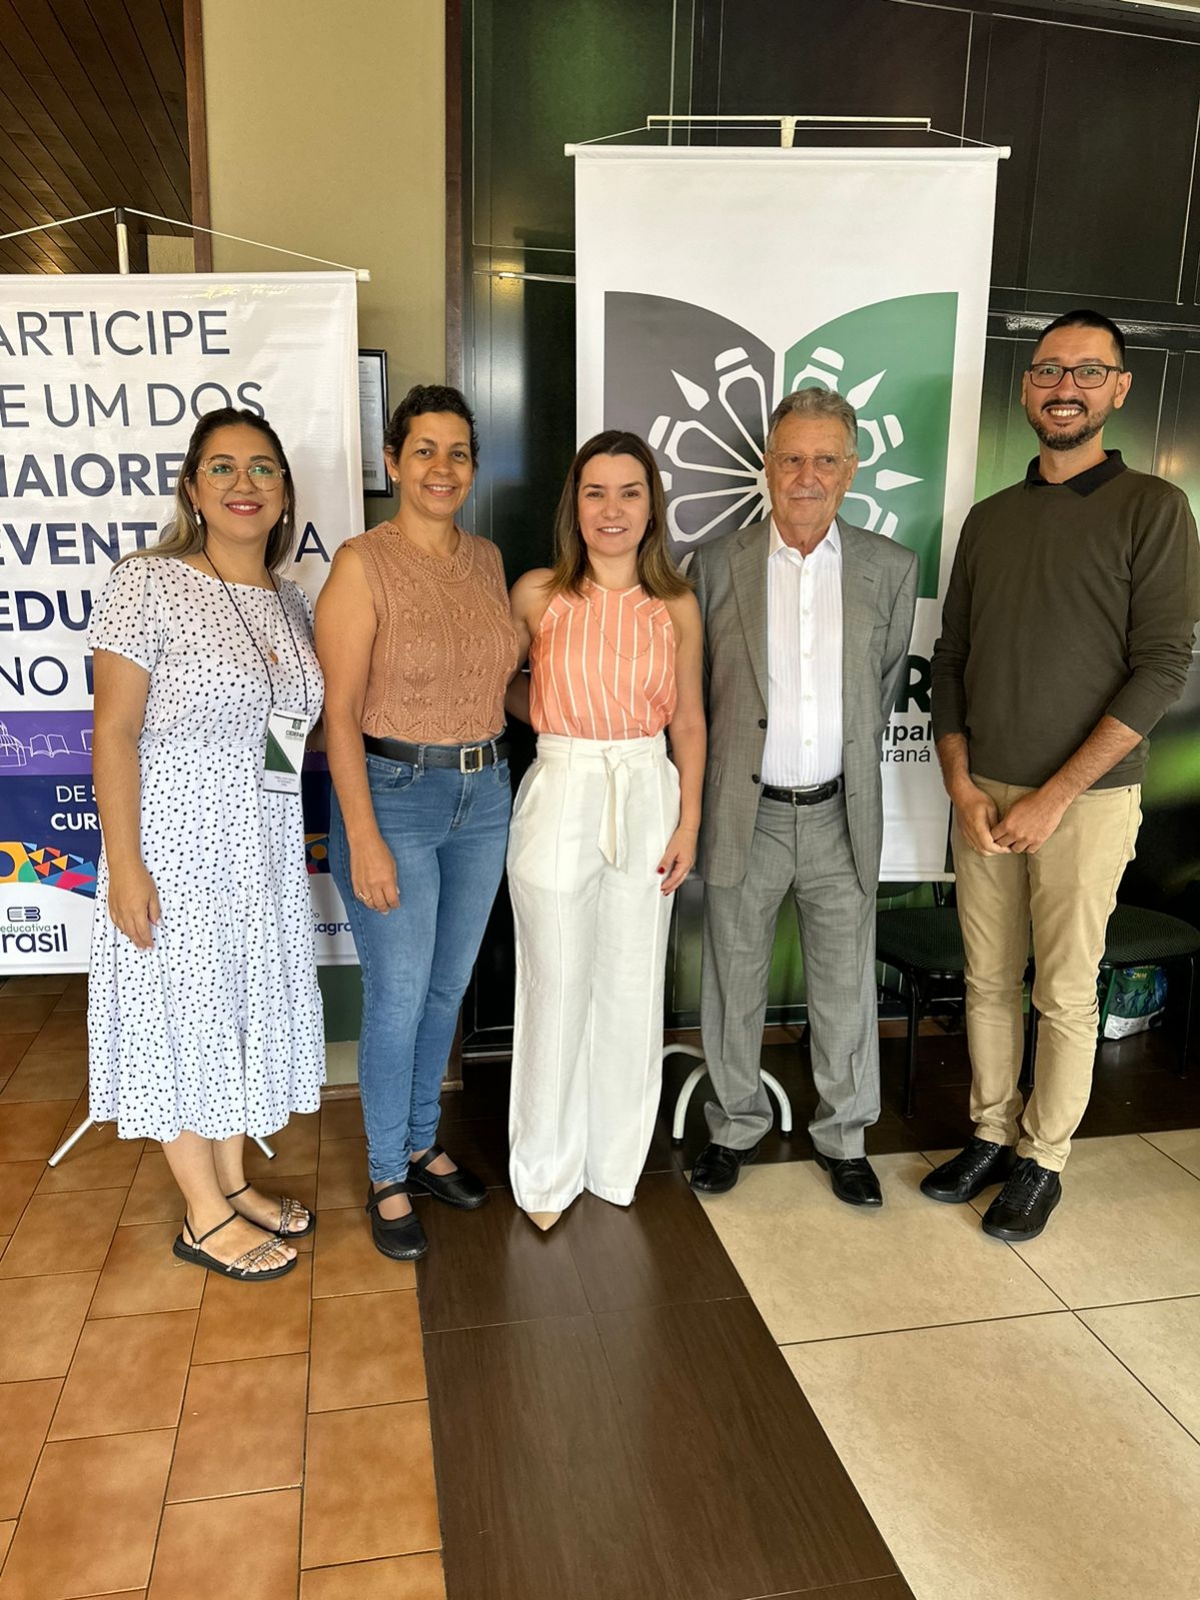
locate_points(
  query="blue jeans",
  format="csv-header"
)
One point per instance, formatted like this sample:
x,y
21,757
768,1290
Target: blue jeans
x,y
447,831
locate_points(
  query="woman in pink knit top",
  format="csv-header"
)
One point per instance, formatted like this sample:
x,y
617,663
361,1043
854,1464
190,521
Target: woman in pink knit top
x,y
417,646
604,830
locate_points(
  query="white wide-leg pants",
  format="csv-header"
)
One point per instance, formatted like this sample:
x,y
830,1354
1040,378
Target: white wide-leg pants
x,y
589,828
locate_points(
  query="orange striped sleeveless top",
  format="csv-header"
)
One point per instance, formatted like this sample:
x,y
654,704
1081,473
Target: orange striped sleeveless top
x,y
602,665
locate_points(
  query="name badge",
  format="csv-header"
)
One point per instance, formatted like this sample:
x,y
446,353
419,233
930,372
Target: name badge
x,y
287,732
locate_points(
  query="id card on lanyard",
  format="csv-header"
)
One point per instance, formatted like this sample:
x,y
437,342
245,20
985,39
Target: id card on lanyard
x,y
287,732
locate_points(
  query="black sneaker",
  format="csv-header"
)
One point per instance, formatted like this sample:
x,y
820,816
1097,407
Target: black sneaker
x,y
1022,1208
969,1172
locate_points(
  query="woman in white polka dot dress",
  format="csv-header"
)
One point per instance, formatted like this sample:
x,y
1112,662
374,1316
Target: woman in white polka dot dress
x,y
204,1016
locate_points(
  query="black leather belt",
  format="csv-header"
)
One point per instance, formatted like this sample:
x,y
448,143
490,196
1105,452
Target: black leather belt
x,y
463,757
803,797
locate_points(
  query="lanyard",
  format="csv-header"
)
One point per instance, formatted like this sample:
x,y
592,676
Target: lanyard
x,y
254,641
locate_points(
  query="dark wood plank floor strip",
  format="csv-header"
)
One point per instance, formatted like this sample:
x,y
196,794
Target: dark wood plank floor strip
x,y
893,1588
538,1494
749,1497
659,1251
493,1266
481,1145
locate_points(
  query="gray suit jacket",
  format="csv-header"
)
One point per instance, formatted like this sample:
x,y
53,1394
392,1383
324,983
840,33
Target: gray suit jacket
x,y
879,591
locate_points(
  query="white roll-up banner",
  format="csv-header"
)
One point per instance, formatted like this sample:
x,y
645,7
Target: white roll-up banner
x,y
102,380
711,282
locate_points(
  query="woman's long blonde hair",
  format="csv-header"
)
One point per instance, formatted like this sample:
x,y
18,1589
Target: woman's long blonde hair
x,y
656,570
184,534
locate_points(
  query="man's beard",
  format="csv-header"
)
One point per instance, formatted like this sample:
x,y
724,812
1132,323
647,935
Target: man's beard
x,y
1055,439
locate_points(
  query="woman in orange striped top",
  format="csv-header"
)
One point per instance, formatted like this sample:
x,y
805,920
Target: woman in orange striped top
x,y
604,829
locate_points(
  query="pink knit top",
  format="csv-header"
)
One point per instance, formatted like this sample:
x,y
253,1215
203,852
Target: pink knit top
x,y
445,646
603,665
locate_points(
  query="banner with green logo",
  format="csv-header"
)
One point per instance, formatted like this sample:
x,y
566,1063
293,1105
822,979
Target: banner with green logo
x,y
736,276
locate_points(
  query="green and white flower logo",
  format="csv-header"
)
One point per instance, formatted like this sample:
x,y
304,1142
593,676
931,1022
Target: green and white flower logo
x,y
701,390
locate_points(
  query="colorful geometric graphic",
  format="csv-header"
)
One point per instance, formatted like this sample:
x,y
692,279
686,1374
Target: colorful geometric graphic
x,y
316,852
44,863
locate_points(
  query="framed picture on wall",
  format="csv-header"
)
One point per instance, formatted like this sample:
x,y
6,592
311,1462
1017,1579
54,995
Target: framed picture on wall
x,y
372,416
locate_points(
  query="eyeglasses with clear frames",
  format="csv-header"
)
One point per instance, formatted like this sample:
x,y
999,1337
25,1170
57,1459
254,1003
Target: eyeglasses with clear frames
x,y
1087,375
825,466
263,475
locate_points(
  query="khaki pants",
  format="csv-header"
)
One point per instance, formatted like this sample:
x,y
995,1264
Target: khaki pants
x,y
1067,891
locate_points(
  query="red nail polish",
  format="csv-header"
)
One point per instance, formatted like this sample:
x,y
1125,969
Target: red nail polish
x,y
661,870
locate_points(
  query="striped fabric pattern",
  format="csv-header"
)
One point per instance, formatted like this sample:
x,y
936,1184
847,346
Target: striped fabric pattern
x,y
804,663
602,665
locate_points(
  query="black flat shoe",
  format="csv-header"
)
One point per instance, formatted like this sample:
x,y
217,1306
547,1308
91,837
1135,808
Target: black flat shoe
x,y
462,1188
1022,1208
852,1179
717,1167
402,1238
969,1172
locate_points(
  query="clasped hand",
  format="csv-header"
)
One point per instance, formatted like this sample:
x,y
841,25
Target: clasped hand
x,y
1023,829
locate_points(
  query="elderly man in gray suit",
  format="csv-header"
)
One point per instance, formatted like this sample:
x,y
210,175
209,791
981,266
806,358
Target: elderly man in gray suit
x,y
807,624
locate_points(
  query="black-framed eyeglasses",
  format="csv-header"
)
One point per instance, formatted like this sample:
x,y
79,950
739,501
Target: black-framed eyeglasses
x,y
1087,375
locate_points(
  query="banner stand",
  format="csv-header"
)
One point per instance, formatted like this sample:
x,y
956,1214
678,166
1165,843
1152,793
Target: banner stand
x,y
713,306
660,121
119,215
69,1144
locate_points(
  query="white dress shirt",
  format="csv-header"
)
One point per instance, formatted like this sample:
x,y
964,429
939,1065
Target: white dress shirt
x,y
804,663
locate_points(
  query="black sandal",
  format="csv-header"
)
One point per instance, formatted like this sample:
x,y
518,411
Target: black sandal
x,y
402,1238
243,1266
288,1208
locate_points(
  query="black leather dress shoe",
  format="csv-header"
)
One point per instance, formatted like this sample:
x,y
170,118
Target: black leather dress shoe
x,y
462,1188
402,1238
853,1179
969,1172
717,1167
1022,1208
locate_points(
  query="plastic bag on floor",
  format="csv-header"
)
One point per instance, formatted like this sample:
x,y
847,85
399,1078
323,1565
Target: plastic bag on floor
x,y
1135,1000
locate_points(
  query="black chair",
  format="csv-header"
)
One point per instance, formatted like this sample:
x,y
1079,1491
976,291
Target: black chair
x,y
924,944
1140,938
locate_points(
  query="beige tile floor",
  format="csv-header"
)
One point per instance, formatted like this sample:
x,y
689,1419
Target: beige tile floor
x,y
110,1486
1019,1421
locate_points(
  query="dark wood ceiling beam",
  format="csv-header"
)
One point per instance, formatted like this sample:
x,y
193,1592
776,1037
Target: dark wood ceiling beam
x,y
53,190
14,260
34,250
175,14
99,106
201,213
160,91
62,108
109,66
66,255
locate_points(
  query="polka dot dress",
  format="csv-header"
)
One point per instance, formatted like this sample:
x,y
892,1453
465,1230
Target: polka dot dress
x,y
218,1028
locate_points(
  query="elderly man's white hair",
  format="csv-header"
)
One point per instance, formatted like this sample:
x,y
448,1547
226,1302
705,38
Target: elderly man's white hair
x,y
819,404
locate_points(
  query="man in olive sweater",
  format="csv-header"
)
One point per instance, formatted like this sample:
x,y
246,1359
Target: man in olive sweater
x,y
1066,634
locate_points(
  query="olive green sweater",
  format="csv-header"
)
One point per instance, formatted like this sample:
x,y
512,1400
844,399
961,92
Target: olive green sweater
x,y
1067,602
